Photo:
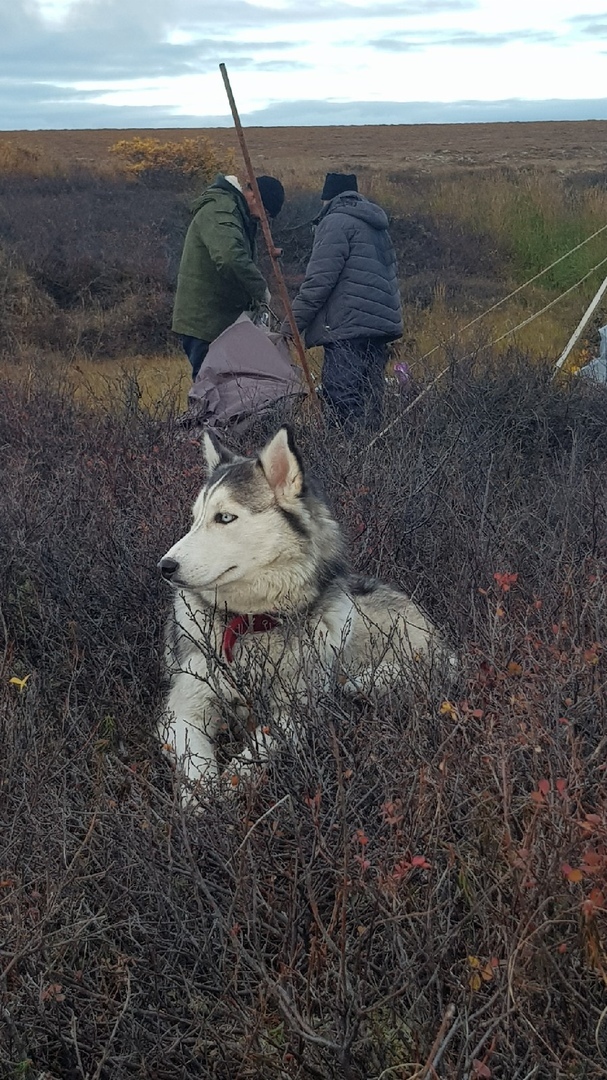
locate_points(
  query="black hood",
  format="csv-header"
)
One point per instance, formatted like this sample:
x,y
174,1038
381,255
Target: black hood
x,y
355,205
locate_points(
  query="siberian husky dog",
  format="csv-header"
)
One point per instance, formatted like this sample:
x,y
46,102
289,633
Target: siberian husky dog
x,y
265,613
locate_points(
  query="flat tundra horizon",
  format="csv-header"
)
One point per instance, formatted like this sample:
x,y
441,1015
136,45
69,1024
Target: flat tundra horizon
x,y
266,615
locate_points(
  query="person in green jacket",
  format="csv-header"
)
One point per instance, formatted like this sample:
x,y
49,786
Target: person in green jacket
x,y
218,278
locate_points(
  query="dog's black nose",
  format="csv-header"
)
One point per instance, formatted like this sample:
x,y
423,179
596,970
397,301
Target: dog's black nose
x,y
168,567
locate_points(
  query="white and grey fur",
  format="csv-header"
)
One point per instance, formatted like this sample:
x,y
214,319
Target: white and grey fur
x,y
262,541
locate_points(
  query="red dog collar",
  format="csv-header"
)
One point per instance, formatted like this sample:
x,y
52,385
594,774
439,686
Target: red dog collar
x,y
244,624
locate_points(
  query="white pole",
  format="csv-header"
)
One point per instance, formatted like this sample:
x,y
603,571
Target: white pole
x,y
594,303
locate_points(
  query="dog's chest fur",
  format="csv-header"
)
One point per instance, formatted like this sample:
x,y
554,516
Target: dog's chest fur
x,y
301,644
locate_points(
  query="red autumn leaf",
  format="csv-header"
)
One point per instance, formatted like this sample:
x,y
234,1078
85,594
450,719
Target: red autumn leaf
x,y
505,581
544,786
391,813
313,802
359,837
573,874
481,1070
596,898
363,863
401,870
591,823
561,785
592,861
421,862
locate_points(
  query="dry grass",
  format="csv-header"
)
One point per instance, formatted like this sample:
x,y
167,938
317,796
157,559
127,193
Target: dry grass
x,y
158,379
555,145
469,226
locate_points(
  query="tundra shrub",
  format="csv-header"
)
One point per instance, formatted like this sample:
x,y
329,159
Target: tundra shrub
x,y
90,265
420,889
178,161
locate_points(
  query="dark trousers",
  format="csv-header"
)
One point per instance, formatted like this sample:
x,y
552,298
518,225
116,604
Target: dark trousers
x,y
353,380
195,350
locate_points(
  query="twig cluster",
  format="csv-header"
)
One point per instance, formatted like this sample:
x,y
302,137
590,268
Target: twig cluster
x,y
418,889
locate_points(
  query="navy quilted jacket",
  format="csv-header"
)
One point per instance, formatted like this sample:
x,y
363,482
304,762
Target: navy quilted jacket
x,y
351,284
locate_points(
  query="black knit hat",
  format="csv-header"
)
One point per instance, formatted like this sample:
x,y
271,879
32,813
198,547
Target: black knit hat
x,y
336,183
272,194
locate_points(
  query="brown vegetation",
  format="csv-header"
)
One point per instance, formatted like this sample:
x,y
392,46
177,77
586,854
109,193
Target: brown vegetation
x,y
420,890
569,145
91,247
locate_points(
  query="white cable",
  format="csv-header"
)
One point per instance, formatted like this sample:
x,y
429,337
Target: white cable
x,y
519,288
548,306
488,346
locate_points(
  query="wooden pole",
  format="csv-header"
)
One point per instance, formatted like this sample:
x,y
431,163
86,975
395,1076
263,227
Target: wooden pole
x,y
594,303
267,235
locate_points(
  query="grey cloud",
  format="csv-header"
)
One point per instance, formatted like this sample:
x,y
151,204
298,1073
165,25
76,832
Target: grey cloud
x,y
316,113
398,44
72,109
587,17
507,38
131,22
281,65
315,11
251,63
72,58
590,25
108,40
462,39
105,41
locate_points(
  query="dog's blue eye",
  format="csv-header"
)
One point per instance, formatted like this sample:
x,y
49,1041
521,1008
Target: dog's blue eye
x,y
225,519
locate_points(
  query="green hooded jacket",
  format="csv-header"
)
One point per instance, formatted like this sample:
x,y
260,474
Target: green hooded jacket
x,y
218,278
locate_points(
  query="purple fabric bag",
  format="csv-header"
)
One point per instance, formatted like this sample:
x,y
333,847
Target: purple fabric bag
x,y
246,370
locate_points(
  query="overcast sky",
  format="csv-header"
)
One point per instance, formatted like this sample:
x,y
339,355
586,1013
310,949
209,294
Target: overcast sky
x,y
154,63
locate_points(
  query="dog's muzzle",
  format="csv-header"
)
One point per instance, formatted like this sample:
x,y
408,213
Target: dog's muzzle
x,y
168,567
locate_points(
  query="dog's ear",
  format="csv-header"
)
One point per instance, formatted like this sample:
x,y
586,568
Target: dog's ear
x,y
282,466
215,453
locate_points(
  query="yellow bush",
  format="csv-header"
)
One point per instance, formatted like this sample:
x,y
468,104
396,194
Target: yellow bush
x,y
21,161
191,159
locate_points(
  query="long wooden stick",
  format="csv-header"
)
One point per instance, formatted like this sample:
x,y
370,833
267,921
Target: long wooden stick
x,y
594,303
282,288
